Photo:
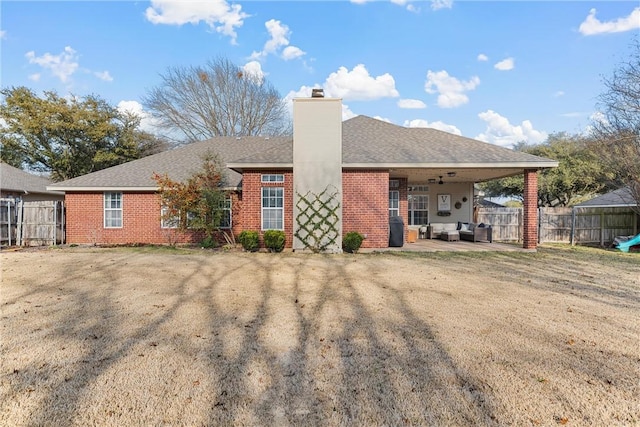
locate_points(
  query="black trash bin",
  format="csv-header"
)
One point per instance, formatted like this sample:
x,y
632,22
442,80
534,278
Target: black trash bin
x,y
396,232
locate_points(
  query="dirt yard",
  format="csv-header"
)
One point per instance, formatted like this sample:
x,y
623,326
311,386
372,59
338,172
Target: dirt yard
x,y
147,336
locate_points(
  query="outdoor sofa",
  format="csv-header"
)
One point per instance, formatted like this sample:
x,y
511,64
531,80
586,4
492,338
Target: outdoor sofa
x,y
475,232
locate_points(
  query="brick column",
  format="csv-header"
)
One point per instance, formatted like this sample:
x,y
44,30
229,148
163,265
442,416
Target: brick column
x,y
530,209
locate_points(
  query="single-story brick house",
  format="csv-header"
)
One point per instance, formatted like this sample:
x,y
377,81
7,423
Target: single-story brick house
x,y
363,170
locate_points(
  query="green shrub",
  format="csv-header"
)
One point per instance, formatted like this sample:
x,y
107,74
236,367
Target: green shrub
x,y
249,240
208,243
352,241
274,240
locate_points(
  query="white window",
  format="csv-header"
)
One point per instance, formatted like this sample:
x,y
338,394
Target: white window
x,y
272,208
168,222
112,210
394,183
394,203
225,221
272,178
418,209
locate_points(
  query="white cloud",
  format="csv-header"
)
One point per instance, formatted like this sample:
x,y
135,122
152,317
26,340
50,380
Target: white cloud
x,y
505,65
419,123
147,123
500,132
411,104
253,68
441,4
62,65
347,113
382,119
3,34
358,85
35,77
292,52
103,75
592,25
217,14
280,35
483,57
450,90
558,94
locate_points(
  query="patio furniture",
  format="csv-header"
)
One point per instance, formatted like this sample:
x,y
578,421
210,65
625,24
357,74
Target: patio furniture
x,y
436,228
475,232
450,236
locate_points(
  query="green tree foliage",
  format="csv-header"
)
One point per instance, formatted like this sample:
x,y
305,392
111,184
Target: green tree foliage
x,y
616,130
218,99
197,204
579,175
68,137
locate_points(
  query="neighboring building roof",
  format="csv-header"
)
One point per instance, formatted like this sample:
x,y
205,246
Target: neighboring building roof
x,y
489,204
366,143
18,181
621,197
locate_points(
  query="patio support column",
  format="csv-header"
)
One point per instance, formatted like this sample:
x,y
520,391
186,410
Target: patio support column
x,y
530,209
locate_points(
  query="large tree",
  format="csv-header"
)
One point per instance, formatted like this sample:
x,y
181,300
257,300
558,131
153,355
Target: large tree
x,y
616,130
218,99
68,137
579,174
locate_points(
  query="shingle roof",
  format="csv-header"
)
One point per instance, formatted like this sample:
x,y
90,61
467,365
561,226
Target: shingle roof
x,y
14,179
178,163
366,142
621,197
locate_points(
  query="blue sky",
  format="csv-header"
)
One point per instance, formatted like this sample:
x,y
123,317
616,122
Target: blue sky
x,y
501,72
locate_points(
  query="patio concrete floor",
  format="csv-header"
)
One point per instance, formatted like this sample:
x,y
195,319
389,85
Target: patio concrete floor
x,y
437,245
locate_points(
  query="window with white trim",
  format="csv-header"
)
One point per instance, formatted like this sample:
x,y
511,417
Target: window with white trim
x,y
112,210
274,177
394,203
225,207
272,208
418,209
168,222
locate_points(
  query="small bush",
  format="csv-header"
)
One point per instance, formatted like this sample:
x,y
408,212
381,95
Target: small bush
x,y
208,243
352,241
249,240
274,240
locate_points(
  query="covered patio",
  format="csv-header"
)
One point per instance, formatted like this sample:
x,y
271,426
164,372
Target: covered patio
x,y
437,245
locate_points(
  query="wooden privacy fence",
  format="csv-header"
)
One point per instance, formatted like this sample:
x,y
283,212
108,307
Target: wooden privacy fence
x,y
563,225
31,223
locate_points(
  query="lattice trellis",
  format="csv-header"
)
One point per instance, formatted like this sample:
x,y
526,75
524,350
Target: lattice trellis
x,y
318,219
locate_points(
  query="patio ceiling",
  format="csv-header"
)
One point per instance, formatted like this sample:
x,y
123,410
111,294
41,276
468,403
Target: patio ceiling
x,y
423,175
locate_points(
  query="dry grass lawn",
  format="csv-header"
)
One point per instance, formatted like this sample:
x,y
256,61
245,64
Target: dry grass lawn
x,y
147,336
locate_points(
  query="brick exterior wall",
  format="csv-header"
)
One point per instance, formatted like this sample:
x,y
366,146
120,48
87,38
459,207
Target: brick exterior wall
x,y
530,209
365,205
365,209
252,202
140,220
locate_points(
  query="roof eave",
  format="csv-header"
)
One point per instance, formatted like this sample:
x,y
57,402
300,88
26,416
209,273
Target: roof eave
x,y
94,189
239,167
455,165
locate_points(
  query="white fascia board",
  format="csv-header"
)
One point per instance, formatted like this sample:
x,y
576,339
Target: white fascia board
x,y
95,189
500,165
241,166
122,189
